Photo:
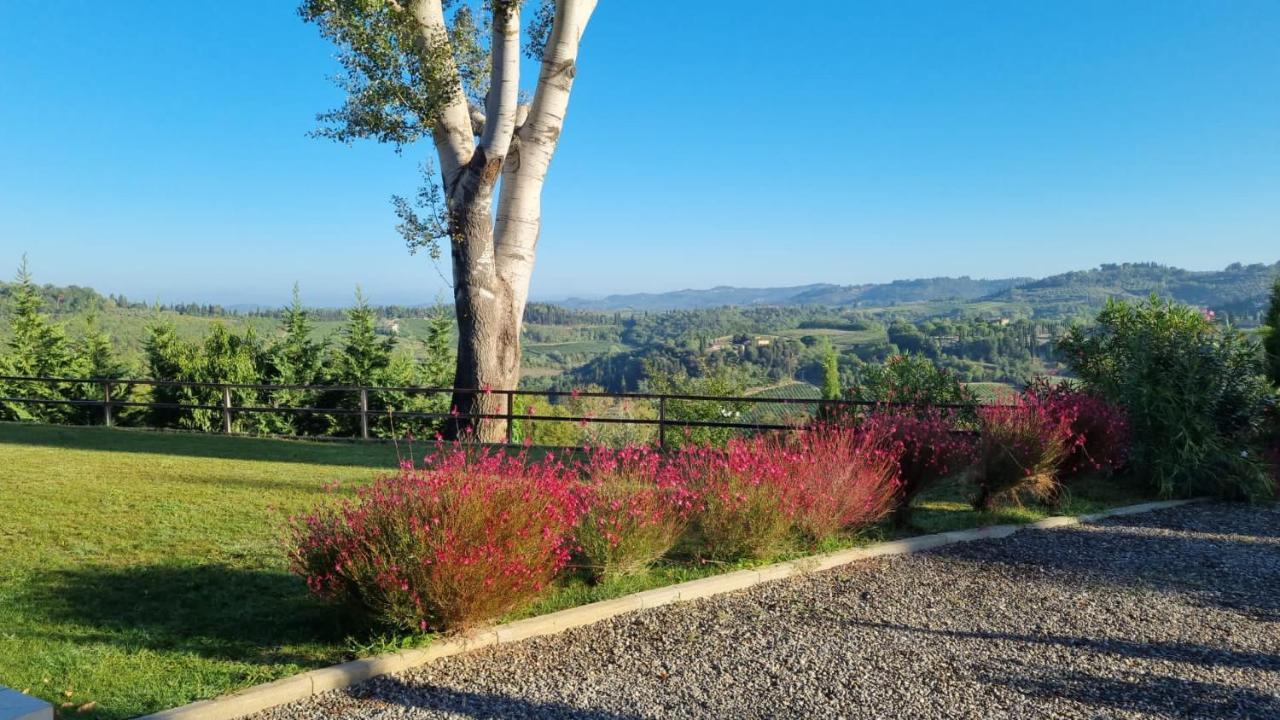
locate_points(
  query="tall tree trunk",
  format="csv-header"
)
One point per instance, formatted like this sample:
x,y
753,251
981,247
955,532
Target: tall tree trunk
x,y
493,256
489,323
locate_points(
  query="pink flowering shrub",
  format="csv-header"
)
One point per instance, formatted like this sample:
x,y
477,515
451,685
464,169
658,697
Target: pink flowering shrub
x,y
1099,429
1021,449
841,478
636,506
462,540
746,504
930,450
817,482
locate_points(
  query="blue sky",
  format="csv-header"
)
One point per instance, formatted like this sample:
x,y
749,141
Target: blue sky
x,y
161,149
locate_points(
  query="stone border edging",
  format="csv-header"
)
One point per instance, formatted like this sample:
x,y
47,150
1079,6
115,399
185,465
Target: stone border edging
x,y
314,682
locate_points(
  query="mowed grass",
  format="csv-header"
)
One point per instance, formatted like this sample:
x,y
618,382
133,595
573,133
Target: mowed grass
x,y
142,571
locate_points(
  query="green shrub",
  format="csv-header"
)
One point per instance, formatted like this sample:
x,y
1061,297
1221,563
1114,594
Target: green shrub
x,y
1194,394
912,380
723,381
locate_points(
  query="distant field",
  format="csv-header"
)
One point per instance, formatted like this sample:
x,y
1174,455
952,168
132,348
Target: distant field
x,y
783,413
797,390
839,338
992,391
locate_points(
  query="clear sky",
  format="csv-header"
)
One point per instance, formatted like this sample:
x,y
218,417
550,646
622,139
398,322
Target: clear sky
x,y
160,149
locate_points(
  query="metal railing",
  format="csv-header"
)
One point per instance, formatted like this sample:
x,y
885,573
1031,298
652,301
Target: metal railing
x,y
115,391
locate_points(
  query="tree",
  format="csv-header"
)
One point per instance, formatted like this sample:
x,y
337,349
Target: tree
x,y
95,355
1272,340
37,345
37,348
363,356
423,68
830,371
169,357
295,359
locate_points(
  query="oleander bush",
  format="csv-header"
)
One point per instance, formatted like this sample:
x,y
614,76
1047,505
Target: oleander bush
x,y
462,540
1194,393
1020,450
635,507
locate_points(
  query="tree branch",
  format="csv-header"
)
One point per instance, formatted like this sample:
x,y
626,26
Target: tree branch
x,y
519,216
504,87
454,141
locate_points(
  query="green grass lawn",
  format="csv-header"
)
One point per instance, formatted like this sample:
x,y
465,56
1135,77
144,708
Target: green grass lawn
x,y
143,570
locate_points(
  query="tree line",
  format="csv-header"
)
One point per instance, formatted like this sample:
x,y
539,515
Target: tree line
x,y
358,355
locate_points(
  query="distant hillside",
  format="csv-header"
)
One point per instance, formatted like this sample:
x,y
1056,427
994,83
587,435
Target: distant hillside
x,y
898,291
1236,289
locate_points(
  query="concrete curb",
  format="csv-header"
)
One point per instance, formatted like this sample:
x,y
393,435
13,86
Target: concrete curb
x,y
314,682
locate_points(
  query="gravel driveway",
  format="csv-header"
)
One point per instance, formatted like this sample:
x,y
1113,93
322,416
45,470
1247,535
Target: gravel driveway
x,y
1173,613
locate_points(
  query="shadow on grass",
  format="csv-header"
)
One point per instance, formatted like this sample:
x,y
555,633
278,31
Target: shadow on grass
x,y
481,706
189,444
214,611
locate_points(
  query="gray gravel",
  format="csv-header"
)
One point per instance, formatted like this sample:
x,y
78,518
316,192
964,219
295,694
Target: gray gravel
x,y
1168,614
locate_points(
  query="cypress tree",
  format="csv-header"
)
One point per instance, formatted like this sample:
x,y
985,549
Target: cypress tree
x,y
1272,341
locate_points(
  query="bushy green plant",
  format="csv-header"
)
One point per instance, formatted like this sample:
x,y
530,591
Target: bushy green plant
x,y
1193,392
912,380
723,381
582,433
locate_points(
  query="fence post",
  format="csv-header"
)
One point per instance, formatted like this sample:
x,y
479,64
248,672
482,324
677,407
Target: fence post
x,y
364,413
662,421
106,404
511,417
226,409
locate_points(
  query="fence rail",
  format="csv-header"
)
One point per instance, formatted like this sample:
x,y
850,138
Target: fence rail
x,y
111,401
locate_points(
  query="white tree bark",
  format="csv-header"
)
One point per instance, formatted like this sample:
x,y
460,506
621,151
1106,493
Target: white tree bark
x,y
519,219
493,260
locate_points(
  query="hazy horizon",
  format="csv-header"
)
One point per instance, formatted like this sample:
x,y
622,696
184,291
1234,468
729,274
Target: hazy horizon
x,y
310,298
